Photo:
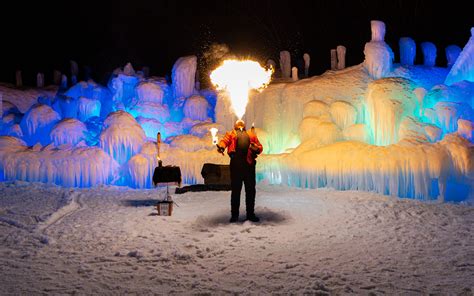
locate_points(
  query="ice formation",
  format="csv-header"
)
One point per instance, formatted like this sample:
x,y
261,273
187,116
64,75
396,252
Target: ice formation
x,y
343,114
122,136
183,75
74,68
306,59
429,54
196,108
378,55
202,129
57,77
141,166
452,54
405,133
40,80
407,51
88,108
463,68
421,171
389,100
341,57
319,128
285,64
151,110
37,124
68,131
466,129
18,78
150,92
294,74
79,167
333,59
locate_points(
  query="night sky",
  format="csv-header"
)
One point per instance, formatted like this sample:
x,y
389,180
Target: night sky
x,y
41,37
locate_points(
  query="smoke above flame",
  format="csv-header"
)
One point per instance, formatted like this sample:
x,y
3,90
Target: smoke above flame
x,y
238,77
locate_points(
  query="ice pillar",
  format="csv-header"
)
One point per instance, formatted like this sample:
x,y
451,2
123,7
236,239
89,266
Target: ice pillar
x,y
40,80
429,54
378,55
63,81
57,77
306,59
333,59
19,80
407,51
294,73
74,68
341,57
285,64
452,53
146,71
183,76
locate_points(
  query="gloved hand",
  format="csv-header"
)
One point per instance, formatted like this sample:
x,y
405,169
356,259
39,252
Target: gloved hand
x,y
220,149
254,147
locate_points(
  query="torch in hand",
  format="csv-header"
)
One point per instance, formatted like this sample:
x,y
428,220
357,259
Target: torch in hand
x,y
215,140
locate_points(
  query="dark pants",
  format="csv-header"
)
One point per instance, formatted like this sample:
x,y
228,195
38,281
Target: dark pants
x,y
242,172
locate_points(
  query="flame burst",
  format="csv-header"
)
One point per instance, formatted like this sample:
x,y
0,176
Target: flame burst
x,y
237,78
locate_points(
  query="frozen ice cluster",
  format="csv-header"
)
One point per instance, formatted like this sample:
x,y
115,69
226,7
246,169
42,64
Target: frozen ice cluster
x,y
91,134
399,129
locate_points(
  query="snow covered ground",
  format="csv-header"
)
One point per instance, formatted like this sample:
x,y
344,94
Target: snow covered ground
x,y
109,240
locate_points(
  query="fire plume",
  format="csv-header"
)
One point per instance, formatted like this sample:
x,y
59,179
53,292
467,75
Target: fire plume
x,y
238,77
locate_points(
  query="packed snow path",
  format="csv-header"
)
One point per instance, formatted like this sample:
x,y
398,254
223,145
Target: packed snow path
x,y
109,240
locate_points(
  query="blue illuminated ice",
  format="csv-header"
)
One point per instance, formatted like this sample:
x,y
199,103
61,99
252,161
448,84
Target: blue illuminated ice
x,y
429,53
407,51
37,124
183,76
122,137
463,68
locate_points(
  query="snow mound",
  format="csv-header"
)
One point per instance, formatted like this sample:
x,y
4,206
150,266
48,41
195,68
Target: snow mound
x,y
68,131
79,167
37,124
122,137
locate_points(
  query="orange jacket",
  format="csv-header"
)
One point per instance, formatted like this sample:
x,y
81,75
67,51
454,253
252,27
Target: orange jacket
x,y
229,141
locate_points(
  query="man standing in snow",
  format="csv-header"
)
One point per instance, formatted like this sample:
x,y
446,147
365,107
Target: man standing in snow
x,y
243,148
